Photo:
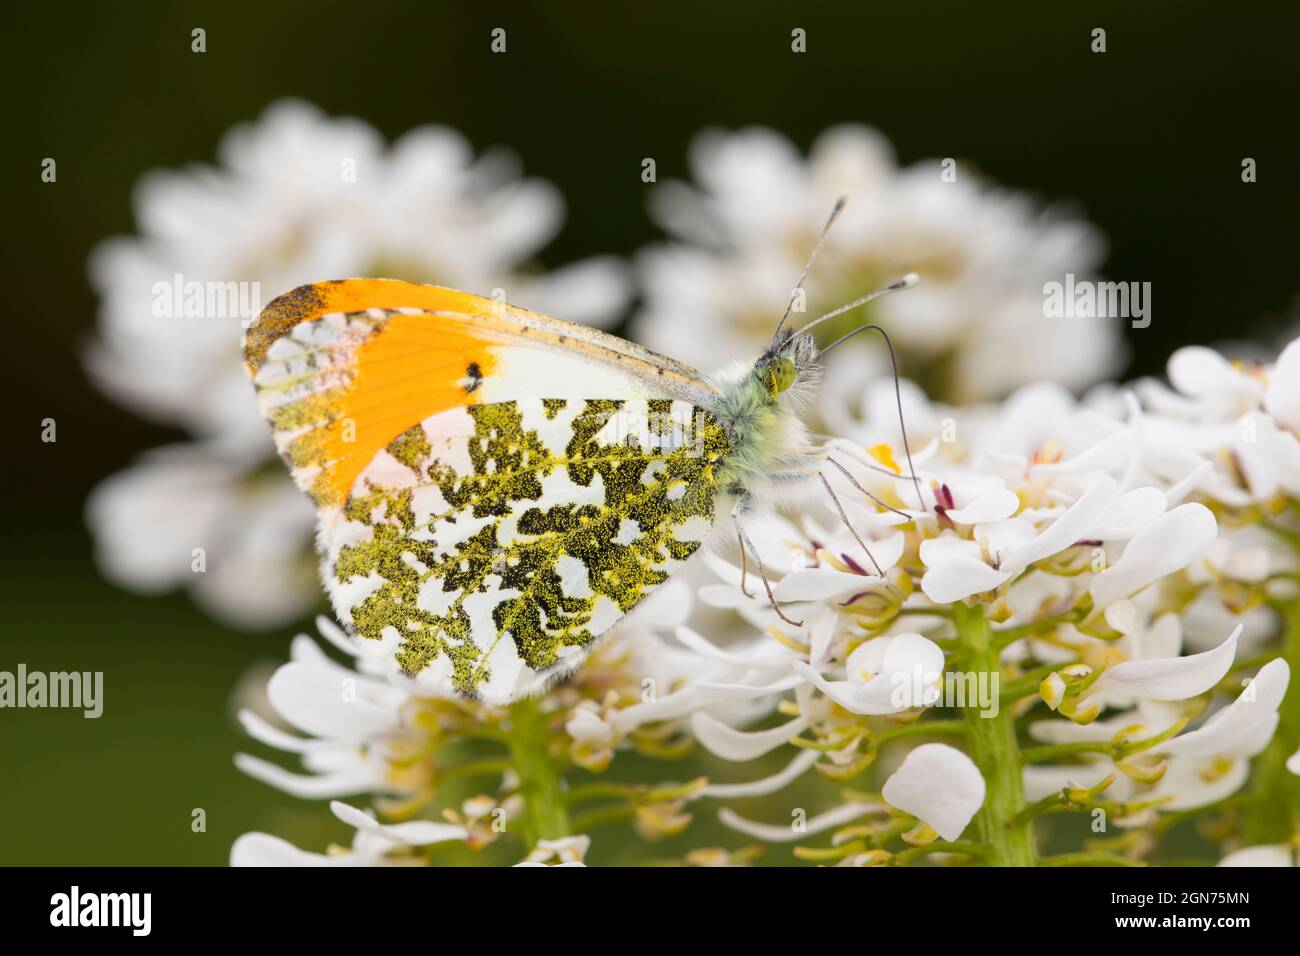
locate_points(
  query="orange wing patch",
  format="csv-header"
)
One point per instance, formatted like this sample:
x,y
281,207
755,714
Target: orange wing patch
x,y
342,368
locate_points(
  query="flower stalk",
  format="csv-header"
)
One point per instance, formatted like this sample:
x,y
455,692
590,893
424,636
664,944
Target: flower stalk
x,y
1273,809
545,815
1001,825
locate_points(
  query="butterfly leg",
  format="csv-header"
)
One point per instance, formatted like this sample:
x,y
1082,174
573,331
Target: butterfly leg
x,y
744,562
814,469
845,519
747,544
856,484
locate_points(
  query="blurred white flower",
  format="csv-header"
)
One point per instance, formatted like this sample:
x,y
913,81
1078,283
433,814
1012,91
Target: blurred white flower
x,y
297,197
1268,855
974,328
187,516
773,833
375,844
568,851
1242,416
363,729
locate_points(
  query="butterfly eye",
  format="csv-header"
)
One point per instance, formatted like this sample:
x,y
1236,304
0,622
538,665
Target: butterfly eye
x,y
780,375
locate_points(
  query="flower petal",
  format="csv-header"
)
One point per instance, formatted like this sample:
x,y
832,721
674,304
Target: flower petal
x,y
938,784
329,704
960,576
1282,398
765,785
1070,527
1245,725
991,506
788,833
263,849
1128,514
729,743
1172,678
1279,854
1189,783
818,584
1165,545
410,833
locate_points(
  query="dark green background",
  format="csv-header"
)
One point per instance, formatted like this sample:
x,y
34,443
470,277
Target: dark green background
x,y
1147,138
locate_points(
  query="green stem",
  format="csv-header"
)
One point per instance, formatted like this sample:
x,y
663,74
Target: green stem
x,y
1051,752
1002,639
545,817
922,728
1273,807
615,813
904,857
996,754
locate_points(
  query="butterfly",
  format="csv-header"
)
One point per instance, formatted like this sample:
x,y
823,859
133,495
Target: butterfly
x,y
496,488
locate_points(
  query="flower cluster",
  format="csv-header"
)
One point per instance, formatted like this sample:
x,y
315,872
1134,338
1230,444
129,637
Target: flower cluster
x,y
1032,606
1073,608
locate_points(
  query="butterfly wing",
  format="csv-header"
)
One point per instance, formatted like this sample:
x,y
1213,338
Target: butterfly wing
x,y
496,488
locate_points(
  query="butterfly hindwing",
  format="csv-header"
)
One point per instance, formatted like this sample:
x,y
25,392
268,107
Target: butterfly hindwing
x,y
499,542
495,488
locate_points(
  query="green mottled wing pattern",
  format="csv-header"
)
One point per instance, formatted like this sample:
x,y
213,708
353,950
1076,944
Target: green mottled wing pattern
x,y
493,545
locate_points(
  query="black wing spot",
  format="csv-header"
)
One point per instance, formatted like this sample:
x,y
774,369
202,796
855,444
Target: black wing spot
x,y
473,377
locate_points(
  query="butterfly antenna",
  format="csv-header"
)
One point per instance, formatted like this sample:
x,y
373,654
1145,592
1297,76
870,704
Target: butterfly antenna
x,y
830,221
906,282
898,285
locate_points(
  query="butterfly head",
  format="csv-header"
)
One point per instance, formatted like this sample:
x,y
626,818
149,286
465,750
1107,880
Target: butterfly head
x,y
791,360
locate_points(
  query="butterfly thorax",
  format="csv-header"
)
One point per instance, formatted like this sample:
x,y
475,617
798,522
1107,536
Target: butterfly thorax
x,y
758,410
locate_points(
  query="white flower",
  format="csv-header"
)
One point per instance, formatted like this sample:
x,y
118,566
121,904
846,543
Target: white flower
x,y
568,851
355,721
298,197
938,785
885,675
375,844
187,516
975,326
1267,855
1158,545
